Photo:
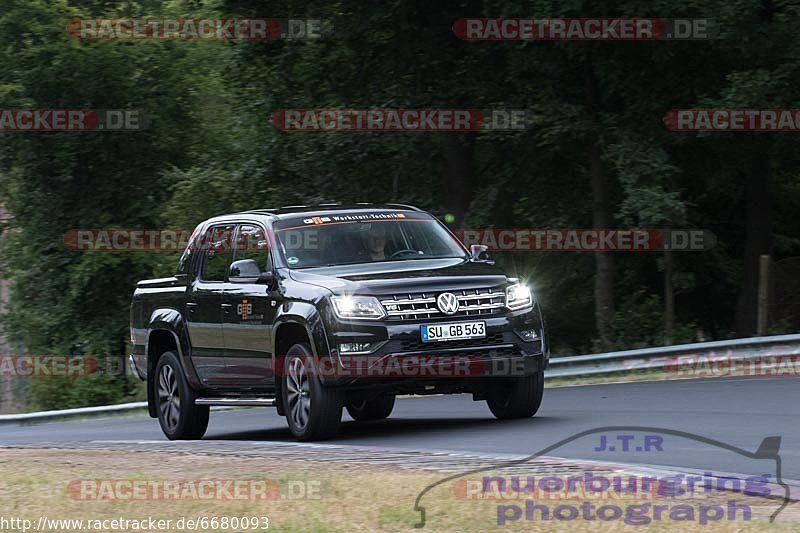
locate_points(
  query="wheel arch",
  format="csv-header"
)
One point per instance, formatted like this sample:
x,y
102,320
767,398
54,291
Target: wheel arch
x,y
303,324
166,332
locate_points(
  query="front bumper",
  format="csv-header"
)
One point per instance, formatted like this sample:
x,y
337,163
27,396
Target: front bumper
x,y
400,355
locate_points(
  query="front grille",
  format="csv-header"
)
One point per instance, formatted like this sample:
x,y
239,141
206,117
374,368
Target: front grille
x,y
419,346
471,302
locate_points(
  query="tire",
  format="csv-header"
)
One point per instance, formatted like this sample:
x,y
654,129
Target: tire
x,y
313,412
375,409
179,417
516,397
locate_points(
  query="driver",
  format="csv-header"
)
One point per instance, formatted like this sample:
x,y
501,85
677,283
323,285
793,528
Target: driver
x,y
375,242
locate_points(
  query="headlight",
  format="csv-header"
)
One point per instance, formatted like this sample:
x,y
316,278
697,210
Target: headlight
x,y
518,297
358,307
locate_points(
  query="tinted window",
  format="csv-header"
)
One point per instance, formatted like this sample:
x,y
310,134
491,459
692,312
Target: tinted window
x,y
317,241
252,243
218,254
189,252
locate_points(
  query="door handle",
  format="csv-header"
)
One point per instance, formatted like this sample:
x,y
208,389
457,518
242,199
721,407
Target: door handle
x,y
191,306
226,307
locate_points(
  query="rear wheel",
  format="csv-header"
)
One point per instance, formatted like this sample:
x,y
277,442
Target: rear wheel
x,y
516,397
179,417
374,409
313,412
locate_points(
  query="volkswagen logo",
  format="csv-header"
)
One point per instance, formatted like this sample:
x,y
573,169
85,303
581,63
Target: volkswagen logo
x,y
447,302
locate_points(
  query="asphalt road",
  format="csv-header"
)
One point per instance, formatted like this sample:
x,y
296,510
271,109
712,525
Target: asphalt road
x,y
739,412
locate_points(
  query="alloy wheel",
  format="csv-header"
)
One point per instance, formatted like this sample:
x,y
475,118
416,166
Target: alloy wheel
x,y
298,393
169,397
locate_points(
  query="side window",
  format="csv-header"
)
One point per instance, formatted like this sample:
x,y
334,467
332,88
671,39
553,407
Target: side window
x,y
218,256
252,243
189,252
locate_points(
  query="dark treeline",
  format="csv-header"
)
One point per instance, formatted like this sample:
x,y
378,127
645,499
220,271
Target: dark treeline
x,y
598,154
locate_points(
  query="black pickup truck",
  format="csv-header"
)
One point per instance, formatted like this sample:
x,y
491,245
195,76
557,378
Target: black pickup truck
x,y
312,309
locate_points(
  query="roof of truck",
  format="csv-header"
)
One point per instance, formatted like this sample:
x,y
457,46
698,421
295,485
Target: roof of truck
x,y
321,208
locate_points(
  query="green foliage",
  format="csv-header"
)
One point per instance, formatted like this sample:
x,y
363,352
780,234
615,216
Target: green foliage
x,y
211,149
69,392
638,323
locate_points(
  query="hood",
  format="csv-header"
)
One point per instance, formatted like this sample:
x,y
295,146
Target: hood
x,y
427,275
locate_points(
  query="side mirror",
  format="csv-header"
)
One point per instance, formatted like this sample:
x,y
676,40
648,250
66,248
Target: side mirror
x,y
480,252
247,271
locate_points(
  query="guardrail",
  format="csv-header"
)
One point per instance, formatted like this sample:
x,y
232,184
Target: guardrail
x,y
767,350
46,416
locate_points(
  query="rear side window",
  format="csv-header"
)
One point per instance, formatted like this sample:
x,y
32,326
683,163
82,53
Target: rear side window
x,y
189,252
217,247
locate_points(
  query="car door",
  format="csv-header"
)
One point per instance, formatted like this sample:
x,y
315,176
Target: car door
x,y
204,303
249,313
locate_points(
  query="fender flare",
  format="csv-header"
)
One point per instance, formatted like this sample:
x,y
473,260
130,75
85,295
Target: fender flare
x,y
307,316
169,320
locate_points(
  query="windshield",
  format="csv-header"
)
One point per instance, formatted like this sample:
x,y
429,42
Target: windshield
x,y
319,241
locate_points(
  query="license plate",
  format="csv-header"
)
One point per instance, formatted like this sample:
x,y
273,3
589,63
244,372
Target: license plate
x,y
450,332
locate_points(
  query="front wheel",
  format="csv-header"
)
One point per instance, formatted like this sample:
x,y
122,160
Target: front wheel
x,y
516,397
179,417
374,409
313,412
